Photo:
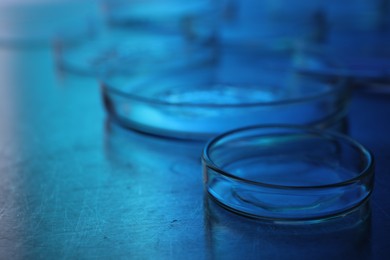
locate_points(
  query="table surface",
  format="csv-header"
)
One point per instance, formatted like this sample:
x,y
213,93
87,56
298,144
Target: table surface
x,y
75,185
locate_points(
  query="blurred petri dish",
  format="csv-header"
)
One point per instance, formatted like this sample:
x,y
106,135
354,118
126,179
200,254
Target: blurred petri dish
x,y
342,38
98,53
193,104
251,22
355,36
144,37
287,173
361,57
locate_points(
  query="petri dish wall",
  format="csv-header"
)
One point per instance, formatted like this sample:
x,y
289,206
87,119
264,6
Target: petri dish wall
x,y
285,173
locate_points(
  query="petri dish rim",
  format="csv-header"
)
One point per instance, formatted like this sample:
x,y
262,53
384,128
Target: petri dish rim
x,y
340,86
368,169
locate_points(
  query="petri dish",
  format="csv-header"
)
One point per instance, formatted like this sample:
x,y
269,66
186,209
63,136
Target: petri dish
x,y
287,173
192,103
143,37
98,53
342,38
364,61
356,37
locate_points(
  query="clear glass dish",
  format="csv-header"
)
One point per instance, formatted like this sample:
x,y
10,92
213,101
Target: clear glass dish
x,y
142,37
349,38
102,51
363,57
287,173
194,104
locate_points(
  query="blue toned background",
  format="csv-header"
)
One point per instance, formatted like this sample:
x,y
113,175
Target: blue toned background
x,y
75,185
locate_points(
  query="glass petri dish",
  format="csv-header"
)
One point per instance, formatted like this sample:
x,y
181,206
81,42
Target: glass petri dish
x,y
342,38
143,37
356,36
118,49
287,172
364,61
194,104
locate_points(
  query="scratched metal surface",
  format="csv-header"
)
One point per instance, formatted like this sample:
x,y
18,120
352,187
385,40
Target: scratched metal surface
x,y
73,185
